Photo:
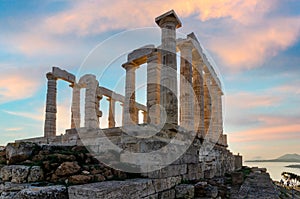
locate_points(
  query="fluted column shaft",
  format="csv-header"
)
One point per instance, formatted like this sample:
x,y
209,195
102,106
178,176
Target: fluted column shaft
x,y
111,113
51,109
198,87
75,110
186,88
130,116
153,87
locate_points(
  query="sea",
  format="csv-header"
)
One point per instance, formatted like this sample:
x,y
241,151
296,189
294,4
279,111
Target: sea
x,y
275,168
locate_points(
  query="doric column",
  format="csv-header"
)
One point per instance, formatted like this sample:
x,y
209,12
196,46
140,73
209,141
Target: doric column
x,y
145,116
198,87
186,87
130,116
98,98
214,112
220,113
50,119
153,87
111,113
75,109
168,23
90,113
207,103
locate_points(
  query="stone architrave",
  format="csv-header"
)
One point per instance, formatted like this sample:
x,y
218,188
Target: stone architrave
x,y
186,87
168,23
75,110
153,87
51,109
130,116
111,113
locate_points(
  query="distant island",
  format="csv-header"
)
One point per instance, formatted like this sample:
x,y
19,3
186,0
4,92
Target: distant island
x,y
285,158
294,166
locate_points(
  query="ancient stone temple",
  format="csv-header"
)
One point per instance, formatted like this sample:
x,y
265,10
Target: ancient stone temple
x,y
181,137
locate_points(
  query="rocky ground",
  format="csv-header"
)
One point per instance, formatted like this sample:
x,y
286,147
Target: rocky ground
x,y
49,172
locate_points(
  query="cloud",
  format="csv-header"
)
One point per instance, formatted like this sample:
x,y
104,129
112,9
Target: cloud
x,y
16,86
268,133
31,115
91,17
250,100
249,47
13,129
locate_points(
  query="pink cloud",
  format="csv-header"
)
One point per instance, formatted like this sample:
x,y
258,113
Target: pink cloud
x,y
277,132
90,17
246,100
16,86
249,47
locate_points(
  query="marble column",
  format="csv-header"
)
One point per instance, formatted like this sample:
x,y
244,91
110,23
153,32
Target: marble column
x,y
130,116
198,87
90,115
214,112
145,116
207,103
220,113
168,23
153,87
51,110
75,110
186,87
111,113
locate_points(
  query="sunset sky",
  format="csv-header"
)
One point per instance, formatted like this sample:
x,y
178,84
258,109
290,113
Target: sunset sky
x,y
255,45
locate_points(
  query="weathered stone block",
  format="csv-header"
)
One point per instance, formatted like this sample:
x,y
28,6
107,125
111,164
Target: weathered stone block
x,y
49,192
18,152
36,174
184,191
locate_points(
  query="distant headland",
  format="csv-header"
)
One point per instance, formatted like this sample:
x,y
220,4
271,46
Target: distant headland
x,y
285,158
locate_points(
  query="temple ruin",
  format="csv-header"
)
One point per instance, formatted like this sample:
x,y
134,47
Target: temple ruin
x,y
197,112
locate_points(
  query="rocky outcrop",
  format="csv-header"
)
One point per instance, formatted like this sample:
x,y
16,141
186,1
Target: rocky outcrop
x,y
184,191
19,152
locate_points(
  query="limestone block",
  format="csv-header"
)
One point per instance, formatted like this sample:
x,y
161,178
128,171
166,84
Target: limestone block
x,y
169,171
6,173
167,194
64,75
165,183
48,192
184,191
140,53
18,152
135,188
19,173
36,174
67,168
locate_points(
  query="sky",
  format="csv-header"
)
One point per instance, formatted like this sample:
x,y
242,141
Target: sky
x,y
254,44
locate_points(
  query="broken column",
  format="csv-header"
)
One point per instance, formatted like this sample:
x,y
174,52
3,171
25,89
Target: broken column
x,y
75,110
50,119
130,116
111,113
186,87
168,23
153,87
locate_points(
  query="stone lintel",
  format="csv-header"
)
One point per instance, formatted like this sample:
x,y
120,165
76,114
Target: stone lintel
x,y
63,74
120,98
139,56
169,16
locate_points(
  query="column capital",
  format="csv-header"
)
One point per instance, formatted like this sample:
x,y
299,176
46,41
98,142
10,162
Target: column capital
x,y
50,76
130,66
169,17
